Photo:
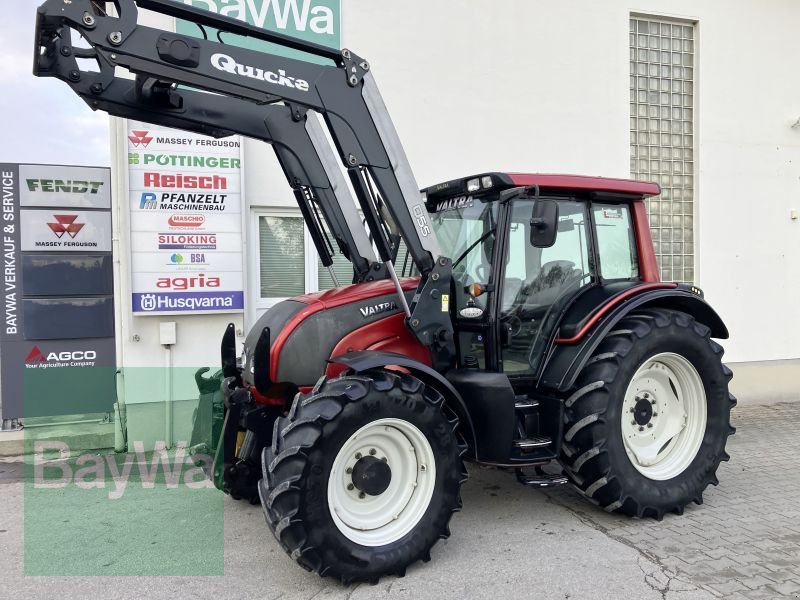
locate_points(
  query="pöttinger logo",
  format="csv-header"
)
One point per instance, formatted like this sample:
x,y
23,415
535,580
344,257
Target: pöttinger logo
x,y
139,137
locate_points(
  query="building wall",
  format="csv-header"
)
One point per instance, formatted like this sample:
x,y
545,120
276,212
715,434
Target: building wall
x,y
544,86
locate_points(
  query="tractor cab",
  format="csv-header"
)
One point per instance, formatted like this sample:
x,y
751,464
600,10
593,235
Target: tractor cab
x,y
524,247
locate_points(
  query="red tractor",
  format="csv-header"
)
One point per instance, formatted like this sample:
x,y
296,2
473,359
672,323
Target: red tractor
x,y
527,324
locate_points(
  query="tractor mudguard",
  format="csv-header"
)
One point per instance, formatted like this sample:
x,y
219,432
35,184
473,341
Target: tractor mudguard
x,y
569,353
371,359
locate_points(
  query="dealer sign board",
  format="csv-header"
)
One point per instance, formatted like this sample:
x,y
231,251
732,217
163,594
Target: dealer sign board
x,y
185,222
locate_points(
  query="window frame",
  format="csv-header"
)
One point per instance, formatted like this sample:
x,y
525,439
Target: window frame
x,y
598,258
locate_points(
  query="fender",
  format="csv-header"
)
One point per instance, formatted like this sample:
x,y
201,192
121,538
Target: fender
x,y
370,359
567,355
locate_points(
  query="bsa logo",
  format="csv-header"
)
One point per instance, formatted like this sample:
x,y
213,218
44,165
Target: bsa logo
x,y
186,221
140,138
65,224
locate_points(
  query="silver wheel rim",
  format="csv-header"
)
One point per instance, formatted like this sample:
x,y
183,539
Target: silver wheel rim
x,y
387,517
664,416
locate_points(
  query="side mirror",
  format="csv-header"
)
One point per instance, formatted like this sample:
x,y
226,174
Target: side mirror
x,y
544,223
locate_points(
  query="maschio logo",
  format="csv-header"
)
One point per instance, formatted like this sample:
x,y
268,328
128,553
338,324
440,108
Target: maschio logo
x,y
140,138
226,63
188,221
67,358
65,224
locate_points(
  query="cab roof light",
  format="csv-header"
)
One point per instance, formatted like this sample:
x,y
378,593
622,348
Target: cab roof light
x,y
486,181
473,185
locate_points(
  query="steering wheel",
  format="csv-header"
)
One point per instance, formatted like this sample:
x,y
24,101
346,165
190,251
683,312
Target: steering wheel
x,y
564,264
514,324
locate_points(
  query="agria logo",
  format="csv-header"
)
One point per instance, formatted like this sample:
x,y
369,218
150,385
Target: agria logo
x,y
140,138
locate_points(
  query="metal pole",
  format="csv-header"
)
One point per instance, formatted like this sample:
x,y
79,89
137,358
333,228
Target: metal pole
x,y
398,287
333,276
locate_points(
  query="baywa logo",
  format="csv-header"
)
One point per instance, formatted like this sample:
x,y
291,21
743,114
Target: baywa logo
x,y
74,358
65,224
139,137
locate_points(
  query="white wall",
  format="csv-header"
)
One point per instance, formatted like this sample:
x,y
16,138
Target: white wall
x,y
543,86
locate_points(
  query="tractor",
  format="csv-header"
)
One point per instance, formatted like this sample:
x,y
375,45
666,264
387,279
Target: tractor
x,y
514,321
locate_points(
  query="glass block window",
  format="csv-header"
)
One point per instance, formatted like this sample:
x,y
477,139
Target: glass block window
x,y
662,135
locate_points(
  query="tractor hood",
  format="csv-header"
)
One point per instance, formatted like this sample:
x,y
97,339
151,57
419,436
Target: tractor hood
x,y
304,331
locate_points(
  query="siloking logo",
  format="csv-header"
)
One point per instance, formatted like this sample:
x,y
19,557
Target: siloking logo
x,y
139,137
75,358
65,224
186,221
187,241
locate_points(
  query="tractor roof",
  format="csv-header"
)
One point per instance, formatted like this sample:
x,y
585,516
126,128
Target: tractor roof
x,y
546,181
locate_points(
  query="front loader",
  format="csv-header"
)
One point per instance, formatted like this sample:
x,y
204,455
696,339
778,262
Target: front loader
x,y
512,320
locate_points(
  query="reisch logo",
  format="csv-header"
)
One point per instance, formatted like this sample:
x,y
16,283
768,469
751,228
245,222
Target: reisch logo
x,y
65,224
148,201
140,138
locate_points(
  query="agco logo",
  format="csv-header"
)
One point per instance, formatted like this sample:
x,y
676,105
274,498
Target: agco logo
x,y
37,356
140,138
65,224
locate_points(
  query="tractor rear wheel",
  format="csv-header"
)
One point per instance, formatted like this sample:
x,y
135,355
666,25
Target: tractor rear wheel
x,y
363,476
649,416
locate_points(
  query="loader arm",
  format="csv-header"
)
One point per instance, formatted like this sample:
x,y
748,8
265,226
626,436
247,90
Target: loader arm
x,y
344,93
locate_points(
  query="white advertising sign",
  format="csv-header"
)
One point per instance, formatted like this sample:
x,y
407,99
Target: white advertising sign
x,y
185,217
65,230
59,185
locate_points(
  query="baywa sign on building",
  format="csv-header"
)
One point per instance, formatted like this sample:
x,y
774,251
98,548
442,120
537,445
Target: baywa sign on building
x,y
185,221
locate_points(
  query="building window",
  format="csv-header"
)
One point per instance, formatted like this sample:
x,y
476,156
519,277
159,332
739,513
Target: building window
x,y
342,267
281,256
662,135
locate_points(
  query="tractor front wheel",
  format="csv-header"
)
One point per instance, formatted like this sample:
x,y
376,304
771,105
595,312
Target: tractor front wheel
x,y
363,476
649,417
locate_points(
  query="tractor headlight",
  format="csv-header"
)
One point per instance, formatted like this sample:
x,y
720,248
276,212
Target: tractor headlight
x,y
473,185
486,181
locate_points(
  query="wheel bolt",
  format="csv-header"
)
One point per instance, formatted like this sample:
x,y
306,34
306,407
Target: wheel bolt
x,y
348,470
372,451
653,401
361,495
358,455
655,414
633,409
641,428
649,425
423,468
384,459
633,422
350,486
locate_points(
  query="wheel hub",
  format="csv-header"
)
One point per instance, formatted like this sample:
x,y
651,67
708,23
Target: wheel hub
x,y
643,411
372,475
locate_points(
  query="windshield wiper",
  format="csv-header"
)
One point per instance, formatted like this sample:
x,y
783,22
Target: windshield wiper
x,y
471,246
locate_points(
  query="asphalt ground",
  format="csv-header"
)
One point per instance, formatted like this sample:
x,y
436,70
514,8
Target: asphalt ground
x,y
509,541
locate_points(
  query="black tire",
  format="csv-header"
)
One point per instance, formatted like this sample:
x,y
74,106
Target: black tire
x,y
593,452
305,444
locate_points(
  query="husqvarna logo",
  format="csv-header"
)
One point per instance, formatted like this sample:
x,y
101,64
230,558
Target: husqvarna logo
x,y
226,63
376,309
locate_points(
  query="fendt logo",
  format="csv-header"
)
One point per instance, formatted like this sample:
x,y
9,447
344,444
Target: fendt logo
x,y
36,356
64,186
140,138
65,224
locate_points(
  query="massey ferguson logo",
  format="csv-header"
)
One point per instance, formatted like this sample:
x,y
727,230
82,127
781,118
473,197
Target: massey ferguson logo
x,y
376,309
226,63
76,358
140,138
65,224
